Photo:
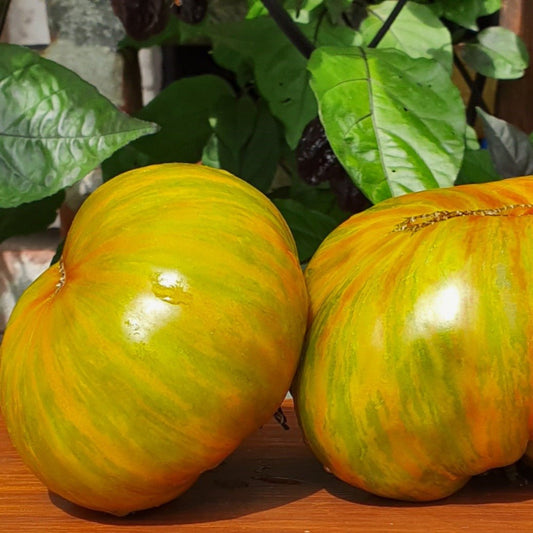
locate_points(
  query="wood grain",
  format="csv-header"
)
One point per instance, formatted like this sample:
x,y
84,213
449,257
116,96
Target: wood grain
x,y
271,484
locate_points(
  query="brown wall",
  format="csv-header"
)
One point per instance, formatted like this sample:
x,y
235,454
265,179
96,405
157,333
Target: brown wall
x,y
514,99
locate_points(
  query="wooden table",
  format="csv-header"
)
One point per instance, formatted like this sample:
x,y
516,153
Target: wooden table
x,y
271,484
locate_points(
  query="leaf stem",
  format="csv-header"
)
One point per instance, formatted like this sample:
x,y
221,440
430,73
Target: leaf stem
x,y
387,24
289,28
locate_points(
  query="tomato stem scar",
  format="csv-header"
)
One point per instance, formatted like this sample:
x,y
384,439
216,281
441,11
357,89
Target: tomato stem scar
x,y
62,276
417,222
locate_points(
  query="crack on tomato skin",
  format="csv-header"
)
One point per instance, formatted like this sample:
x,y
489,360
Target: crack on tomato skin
x,y
417,222
62,276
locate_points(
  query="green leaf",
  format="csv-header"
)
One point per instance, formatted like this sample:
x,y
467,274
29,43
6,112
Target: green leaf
x,y
182,111
477,168
29,218
396,123
498,53
309,227
245,141
337,9
466,12
510,148
279,69
417,31
298,9
54,127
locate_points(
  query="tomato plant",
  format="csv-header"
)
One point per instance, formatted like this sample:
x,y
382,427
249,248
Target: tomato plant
x,y
310,101
169,330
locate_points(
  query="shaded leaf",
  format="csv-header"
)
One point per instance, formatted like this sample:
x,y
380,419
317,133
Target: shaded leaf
x,y
510,148
466,12
417,31
497,53
396,123
339,9
29,218
477,167
182,110
309,227
245,141
54,127
279,68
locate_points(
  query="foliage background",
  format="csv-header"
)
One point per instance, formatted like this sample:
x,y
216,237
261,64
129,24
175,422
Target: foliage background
x,y
334,113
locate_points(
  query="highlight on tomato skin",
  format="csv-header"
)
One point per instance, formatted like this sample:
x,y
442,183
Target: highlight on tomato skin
x,y
169,330
415,374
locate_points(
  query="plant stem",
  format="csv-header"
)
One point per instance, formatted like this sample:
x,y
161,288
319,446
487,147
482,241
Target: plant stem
x,y
387,24
4,6
476,89
289,28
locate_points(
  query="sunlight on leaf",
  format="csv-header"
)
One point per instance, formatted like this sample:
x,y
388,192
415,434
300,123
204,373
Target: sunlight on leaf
x,y
417,31
397,124
54,127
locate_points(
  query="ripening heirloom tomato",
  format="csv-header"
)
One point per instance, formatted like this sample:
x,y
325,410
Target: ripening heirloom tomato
x,y
417,371
169,331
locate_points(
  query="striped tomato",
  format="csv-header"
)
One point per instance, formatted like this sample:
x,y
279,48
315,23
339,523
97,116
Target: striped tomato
x,y
169,330
418,361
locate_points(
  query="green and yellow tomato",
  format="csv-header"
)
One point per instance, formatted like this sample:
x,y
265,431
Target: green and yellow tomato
x,y
169,330
418,364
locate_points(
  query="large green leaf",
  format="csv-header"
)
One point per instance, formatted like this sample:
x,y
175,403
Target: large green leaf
x,y
245,141
54,127
497,53
417,31
182,110
31,217
396,123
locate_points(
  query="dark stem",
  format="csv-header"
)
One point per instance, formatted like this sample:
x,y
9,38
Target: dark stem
x,y
387,24
476,99
4,6
289,28
476,86
281,419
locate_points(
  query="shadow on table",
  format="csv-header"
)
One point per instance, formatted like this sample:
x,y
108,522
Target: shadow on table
x,y
494,486
238,487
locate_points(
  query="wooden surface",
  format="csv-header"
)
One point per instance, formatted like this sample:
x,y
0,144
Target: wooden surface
x,y
271,484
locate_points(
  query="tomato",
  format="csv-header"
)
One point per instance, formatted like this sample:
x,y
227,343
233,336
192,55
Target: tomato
x,y
417,367
169,331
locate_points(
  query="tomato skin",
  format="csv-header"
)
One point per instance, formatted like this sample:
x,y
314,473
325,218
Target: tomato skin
x,y
416,373
168,332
